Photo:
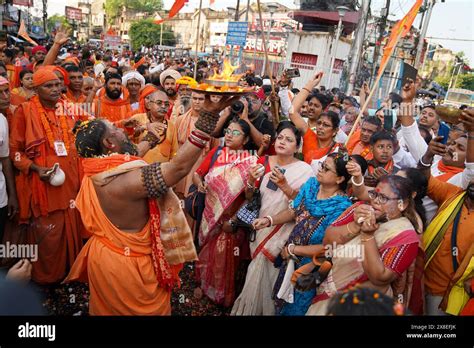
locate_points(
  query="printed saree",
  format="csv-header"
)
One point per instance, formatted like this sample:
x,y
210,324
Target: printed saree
x,y
398,246
313,216
222,253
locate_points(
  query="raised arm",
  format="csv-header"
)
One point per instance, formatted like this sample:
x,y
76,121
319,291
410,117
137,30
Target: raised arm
x,y
62,36
299,100
364,92
168,174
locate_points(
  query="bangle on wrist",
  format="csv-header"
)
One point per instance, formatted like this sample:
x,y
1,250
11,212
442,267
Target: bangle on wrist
x,y
307,90
424,164
269,218
366,239
291,253
354,183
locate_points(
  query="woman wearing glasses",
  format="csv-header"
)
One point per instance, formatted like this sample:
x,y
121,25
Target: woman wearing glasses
x,y
154,120
223,245
376,245
276,189
319,202
321,134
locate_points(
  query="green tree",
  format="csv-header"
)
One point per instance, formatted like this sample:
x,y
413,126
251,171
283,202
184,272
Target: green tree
x,y
145,32
113,8
443,81
465,81
53,21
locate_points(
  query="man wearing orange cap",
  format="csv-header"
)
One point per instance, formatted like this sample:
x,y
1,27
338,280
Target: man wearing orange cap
x,y
41,137
112,103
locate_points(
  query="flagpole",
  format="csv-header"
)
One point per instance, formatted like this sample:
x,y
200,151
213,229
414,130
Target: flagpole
x,y
197,39
161,34
372,91
276,116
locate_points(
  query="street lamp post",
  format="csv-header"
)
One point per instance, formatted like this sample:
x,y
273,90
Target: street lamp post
x,y
342,10
272,9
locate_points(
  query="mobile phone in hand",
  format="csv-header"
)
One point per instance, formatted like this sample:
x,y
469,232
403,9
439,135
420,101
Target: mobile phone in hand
x,y
443,131
271,185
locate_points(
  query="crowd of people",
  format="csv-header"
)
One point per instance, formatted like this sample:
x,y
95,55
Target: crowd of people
x,y
284,200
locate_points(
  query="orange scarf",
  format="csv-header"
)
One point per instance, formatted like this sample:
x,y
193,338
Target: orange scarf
x,y
449,171
388,167
166,275
70,96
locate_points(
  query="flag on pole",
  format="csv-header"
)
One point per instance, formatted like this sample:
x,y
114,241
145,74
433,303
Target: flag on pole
x,y
23,33
401,29
177,6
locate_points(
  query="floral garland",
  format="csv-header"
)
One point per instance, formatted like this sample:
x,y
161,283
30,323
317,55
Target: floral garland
x,y
47,127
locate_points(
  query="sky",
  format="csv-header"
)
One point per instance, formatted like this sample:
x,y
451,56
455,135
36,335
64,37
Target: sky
x,y
451,19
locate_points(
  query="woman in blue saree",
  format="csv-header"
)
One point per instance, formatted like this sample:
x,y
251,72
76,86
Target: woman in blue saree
x,y
319,203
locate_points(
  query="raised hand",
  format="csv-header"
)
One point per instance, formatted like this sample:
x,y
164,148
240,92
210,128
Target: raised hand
x,y
315,81
467,119
354,169
62,36
408,91
436,148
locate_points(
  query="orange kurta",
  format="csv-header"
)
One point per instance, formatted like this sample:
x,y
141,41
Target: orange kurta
x,y
71,98
440,270
117,265
311,150
165,151
355,147
53,222
112,110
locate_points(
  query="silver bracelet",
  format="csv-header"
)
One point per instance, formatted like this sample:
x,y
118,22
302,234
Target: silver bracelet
x,y
358,185
289,251
424,164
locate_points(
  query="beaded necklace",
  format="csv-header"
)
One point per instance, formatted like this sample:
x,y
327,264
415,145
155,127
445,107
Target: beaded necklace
x,y
47,127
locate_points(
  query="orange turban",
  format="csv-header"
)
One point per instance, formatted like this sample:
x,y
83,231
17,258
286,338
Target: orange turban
x,y
62,71
43,75
73,60
145,92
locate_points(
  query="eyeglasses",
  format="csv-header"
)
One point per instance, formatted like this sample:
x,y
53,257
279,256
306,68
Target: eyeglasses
x,y
324,167
381,197
233,132
161,103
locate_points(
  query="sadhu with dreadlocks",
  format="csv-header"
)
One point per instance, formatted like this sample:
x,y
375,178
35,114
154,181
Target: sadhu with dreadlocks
x,y
128,262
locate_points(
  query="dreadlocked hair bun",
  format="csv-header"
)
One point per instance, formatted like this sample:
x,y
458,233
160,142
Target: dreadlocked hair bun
x,y
88,136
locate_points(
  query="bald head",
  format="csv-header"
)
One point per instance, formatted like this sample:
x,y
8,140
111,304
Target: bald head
x,y
157,103
87,85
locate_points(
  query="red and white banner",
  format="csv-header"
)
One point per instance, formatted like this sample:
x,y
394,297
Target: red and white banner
x,y
73,13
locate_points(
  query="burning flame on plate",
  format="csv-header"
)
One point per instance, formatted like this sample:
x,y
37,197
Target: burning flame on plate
x,y
227,73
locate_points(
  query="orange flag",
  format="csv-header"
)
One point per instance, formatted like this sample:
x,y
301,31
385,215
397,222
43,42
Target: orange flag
x,y
400,29
177,6
22,32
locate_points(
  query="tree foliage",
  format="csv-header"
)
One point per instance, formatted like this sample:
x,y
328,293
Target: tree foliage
x,y
145,32
52,21
113,8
